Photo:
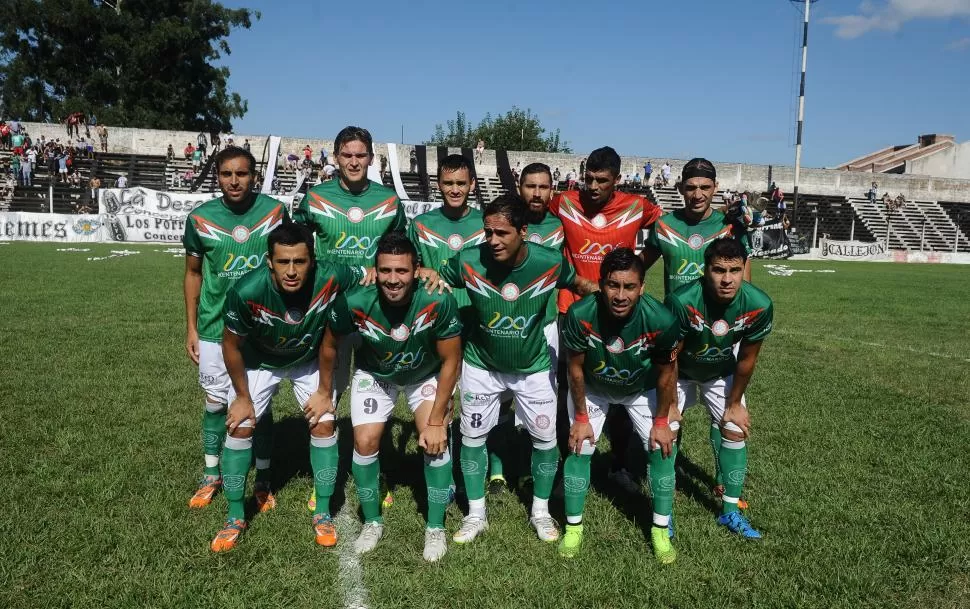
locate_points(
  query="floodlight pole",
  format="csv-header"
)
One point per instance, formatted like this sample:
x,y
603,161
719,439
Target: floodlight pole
x,y
801,104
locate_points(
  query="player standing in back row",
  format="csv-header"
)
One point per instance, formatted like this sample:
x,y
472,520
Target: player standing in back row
x,y
224,239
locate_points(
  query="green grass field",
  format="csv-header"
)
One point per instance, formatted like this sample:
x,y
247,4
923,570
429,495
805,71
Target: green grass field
x,y
858,480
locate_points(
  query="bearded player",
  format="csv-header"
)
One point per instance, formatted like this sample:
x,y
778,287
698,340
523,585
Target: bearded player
x,y
595,221
274,322
680,237
411,346
621,350
224,239
509,281
715,313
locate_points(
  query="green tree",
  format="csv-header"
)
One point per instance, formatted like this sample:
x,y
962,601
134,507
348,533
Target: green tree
x,y
517,129
132,63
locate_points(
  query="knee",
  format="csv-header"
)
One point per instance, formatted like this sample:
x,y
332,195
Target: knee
x,y
367,444
542,444
732,433
323,429
241,433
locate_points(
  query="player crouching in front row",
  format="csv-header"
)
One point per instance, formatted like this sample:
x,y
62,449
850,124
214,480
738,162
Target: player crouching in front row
x,y
274,321
411,345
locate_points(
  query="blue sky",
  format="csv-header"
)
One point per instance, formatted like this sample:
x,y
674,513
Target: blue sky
x,y
704,78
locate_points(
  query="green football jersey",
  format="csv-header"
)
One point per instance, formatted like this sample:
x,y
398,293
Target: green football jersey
x,y
231,243
348,225
399,344
510,305
710,329
283,331
682,244
620,354
438,237
548,232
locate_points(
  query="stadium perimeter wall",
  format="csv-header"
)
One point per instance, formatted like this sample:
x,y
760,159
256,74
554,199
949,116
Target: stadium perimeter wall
x,y
735,176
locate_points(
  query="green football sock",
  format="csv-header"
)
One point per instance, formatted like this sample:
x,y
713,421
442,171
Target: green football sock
x,y
437,477
367,471
663,480
213,433
263,446
323,461
715,440
734,460
474,459
495,467
575,480
237,455
545,463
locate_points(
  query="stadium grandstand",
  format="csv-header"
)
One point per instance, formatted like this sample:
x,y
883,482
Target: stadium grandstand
x,y
928,182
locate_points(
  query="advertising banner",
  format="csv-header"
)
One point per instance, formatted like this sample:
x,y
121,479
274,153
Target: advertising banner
x,y
852,250
58,228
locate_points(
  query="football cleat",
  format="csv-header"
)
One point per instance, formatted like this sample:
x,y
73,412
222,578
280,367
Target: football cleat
x,y
719,492
737,523
497,485
471,527
435,544
662,548
208,487
370,534
324,531
571,541
265,499
225,539
545,527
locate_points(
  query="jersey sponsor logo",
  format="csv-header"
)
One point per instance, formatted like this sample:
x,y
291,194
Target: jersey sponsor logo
x,y
244,263
293,316
296,343
400,333
470,397
352,243
616,376
595,249
712,353
504,325
510,292
355,214
456,242
689,268
695,241
405,360
240,234
720,328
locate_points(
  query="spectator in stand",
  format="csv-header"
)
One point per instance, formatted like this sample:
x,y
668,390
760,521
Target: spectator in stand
x,y
74,179
176,180
103,136
92,122
307,155
582,171
323,157
571,178
4,135
62,167
246,146
328,171
188,150
170,154
15,168
636,180
291,160
197,158
555,179
872,192
122,181
203,144
32,158
383,167
277,185
647,171
216,142
480,152
414,160
776,194
665,173
229,142
70,121
188,177
27,171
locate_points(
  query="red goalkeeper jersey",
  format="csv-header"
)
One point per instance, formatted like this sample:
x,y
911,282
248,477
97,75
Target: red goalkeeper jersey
x,y
589,239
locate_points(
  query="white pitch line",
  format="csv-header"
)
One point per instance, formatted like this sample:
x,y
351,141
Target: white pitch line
x,y
959,358
350,573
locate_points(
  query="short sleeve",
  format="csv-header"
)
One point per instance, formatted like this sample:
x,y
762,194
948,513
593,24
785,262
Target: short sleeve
x,y
448,323
451,272
665,344
761,326
400,218
302,212
574,336
567,274
340,321
191,241
347,276
651,213
680,316
236,315
652,242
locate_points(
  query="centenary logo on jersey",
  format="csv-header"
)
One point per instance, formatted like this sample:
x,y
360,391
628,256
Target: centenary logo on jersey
x,y
400,333
455,242
346,242
243,263
404,360
355,214
240,234
293,316
616,376
505,325
720,328
596,249
695,241
510,292
713,353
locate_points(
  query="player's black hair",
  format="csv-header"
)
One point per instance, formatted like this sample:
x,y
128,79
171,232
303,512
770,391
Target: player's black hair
x,y
353,134
291,233
234,152
509,205
396,243
727,249
603,158
454,162
532,168
621,259
698,168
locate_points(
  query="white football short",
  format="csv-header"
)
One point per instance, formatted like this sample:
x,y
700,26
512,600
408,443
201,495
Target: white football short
x,y
551,333
534,394
642,408
213,377
263,385
372,400
714,393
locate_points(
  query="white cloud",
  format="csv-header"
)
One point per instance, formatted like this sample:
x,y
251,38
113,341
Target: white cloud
x,y
959,45
890,15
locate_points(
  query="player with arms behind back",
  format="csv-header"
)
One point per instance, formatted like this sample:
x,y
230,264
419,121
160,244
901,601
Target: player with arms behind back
x,y
411,346
224,239
716,312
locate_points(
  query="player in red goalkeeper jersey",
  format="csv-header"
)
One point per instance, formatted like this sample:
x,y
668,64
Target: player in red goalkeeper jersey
x,y
595,221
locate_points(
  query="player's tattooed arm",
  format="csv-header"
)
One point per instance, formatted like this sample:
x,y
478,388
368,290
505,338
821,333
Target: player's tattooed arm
x,y
433,439
734,411
241,409
581,430
192,290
